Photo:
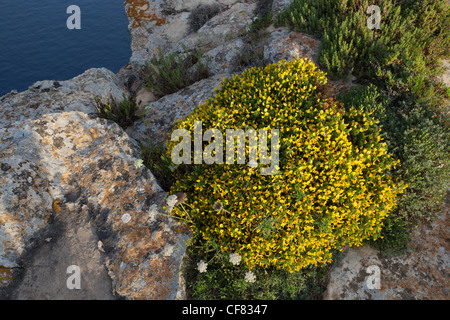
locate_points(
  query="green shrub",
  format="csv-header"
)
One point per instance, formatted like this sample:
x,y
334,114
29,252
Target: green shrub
x,y
425,167
417,135
202,14
155,159
263,15
252,53
395,237
123,113
333,185
224,280
412,36
166,74
398,63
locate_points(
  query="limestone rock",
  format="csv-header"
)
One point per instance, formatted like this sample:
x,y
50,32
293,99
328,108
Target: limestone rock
x,y
132,80
67,179
223,58
163,113
45,97
226,25
288,45
158,24
180,5
143,98
445,77
279,5
147,24
420,274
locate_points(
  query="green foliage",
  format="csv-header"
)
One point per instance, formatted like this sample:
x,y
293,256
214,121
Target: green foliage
x,y
396,235
156,160
417,135
166,74
398,63
123,113
425,156
333,185
223,280
409,42
202,14
263,15
311,16
252,53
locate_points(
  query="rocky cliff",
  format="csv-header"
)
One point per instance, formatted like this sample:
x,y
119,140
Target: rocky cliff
x,y
70,190
71,193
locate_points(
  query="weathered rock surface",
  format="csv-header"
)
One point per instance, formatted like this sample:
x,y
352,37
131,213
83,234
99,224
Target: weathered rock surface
x,y
162,113
50,152
180,5
143,98
164,24
111,220
222,59
279,5
284,44
45,97
445,78
223,27
420,274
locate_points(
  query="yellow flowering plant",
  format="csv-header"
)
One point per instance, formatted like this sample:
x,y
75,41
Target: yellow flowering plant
x,y
333,185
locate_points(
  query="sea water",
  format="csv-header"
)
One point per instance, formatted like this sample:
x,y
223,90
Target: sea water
x,y
36,43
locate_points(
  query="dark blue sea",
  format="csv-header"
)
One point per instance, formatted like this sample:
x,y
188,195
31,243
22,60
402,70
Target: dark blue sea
x,y
35,43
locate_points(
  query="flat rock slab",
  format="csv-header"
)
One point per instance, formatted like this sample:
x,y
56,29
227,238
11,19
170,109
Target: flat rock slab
x,y
71,193
70,241
161,114
420,274
284,44
49,96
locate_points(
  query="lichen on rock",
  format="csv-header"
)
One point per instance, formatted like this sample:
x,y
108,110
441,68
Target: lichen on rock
x,y
82,165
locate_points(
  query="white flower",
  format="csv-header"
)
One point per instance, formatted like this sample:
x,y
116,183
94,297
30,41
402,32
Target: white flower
x,y
252,164
201,266
171,201
250,277
235,258
139,163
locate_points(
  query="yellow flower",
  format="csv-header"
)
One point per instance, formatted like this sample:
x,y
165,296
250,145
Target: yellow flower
x,y
327,192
